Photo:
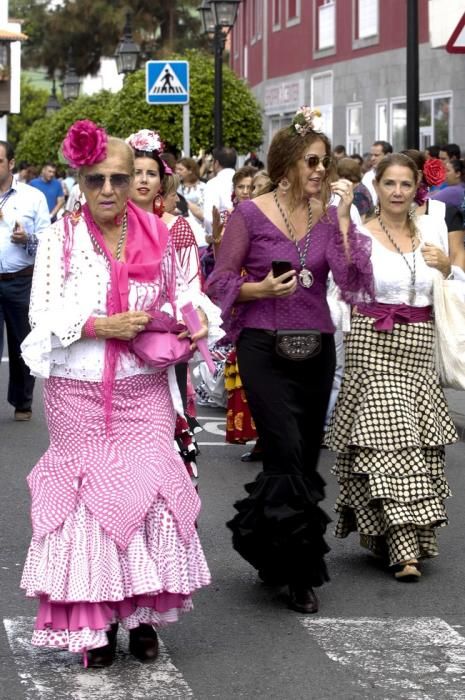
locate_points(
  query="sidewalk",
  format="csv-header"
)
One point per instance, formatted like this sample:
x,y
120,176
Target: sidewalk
x,y
456,401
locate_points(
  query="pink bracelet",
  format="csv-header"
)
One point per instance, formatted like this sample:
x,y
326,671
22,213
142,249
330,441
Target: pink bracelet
x,y
89,327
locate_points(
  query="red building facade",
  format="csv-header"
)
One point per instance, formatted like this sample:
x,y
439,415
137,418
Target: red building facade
x,y
348,58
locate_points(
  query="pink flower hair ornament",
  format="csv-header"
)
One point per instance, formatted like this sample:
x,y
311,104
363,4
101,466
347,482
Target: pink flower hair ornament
x,y
307,119
146,140
84,144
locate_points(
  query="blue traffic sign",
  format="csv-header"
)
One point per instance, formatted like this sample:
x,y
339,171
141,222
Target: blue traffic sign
x,y
167,82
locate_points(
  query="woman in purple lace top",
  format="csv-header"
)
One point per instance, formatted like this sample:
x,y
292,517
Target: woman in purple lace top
x,y
279,527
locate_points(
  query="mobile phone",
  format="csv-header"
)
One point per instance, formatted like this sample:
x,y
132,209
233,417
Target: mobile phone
x,y
279,267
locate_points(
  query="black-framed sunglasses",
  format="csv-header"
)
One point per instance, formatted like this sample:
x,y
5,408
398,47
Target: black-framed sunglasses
x,y
118,181
312,161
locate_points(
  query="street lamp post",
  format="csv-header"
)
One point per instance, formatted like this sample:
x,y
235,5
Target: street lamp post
x,y
218,18
71,82
128,52
52,105
413,80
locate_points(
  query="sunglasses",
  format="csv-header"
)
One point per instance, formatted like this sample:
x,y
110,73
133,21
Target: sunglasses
x,y
312,161
118,181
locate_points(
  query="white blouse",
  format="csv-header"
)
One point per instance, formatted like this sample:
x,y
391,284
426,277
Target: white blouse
x,y
393,278
59,308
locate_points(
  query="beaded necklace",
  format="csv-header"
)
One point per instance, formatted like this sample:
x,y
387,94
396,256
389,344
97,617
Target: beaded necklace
x,y
412,269
305,275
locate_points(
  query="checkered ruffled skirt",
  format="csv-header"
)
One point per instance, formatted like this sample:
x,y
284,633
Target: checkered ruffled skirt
x,y
389,427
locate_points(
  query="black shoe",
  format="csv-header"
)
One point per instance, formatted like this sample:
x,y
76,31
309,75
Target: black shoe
x,y
303,599
252,456
143,643
102,657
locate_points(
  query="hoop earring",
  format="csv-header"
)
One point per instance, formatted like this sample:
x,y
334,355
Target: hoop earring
x,y
284,185
158,206
377,210
411,214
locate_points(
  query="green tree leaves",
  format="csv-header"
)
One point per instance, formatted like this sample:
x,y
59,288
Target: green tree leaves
x,y
127,111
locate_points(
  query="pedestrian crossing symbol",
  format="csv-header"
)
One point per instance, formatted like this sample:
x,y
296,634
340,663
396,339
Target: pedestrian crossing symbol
x,y
167,82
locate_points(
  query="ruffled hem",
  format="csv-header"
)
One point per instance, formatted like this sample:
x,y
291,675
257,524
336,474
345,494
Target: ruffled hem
x,y
416,414
82,626
80,562
279,528
354,278
224,290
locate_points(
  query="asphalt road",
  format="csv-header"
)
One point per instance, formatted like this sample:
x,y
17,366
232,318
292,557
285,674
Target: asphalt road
x,y
373,638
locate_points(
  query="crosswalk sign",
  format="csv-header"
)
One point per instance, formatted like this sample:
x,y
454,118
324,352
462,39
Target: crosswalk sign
x,y
167,82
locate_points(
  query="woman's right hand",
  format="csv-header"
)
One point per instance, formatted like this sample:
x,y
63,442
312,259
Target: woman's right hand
x,y
279,286
124,326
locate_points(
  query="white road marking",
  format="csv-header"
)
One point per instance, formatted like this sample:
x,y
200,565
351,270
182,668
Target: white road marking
x,y
415,658
49,673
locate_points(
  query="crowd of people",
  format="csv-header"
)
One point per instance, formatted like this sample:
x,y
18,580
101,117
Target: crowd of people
x,y
313,281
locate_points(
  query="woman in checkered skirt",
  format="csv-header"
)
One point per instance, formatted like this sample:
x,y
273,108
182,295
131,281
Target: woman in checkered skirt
x,y
391,422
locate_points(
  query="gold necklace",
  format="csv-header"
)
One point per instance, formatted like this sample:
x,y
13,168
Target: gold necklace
x,y
305,275
119,247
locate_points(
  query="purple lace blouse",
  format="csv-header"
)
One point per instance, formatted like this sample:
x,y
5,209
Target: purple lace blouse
x,y
251,241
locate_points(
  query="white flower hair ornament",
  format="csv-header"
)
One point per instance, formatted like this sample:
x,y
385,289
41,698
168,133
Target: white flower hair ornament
x,y
146,140
307,119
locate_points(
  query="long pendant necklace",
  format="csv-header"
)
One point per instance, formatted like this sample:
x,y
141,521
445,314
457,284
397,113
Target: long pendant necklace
x,y
305,275
412,269
119,247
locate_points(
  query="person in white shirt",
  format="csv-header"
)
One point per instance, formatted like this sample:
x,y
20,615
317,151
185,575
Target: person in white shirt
x,y
218,190
378,150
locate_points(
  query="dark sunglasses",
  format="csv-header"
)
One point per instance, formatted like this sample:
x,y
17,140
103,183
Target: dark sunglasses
x,y
118,181
312,161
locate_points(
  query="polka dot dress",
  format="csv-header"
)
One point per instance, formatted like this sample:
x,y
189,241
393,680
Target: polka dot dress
x,y
113,515
389,428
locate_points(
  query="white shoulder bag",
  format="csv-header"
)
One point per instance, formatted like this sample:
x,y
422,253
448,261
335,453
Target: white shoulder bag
x,y
449,318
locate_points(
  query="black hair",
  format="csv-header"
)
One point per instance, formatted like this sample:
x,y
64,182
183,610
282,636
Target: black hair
x,y
385,145
433,151
225,156
453,151
10,154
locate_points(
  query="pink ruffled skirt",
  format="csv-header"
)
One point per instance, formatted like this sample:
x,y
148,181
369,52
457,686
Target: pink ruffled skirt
x,y
85,578
150,582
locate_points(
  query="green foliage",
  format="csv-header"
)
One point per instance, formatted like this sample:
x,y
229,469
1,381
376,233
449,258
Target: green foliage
x,y
127,111
92,28
33,101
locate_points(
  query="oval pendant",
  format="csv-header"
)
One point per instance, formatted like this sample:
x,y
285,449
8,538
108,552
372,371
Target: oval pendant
x,y
305,278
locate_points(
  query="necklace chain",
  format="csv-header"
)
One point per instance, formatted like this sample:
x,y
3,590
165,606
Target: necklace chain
x,y
119,247
412,268
290,228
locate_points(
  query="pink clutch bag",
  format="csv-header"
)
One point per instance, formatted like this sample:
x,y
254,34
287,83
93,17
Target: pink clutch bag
x,y
158,344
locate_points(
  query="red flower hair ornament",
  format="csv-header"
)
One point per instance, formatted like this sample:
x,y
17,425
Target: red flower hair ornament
x,y
434,172
84,144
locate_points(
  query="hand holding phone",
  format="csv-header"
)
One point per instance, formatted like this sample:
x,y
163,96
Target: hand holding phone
x,y
279,267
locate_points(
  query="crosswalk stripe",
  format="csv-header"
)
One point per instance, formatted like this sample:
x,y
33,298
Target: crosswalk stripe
x,y
418,658
50,673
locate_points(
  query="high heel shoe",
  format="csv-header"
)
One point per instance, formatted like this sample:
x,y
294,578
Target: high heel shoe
x,y
303,599
143,643
102,657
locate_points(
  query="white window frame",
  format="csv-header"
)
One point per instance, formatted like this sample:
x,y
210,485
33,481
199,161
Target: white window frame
x,y
292,21
447,94
354,142
359,42
327,5
362,12
378,135
276,26
327,127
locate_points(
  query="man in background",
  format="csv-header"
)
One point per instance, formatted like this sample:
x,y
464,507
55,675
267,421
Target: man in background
x,y
378,150
218,190
23,217
48,184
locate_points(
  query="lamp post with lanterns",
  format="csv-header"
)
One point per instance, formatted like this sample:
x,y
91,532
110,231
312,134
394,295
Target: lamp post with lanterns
x,y
71,82
218,18
127,52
